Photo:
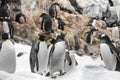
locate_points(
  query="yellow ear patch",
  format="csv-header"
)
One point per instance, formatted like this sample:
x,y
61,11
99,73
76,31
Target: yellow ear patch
x,y
50,39
7,40
38,37
42,42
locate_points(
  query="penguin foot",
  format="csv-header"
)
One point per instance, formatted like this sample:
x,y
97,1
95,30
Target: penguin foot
x,y
62,73
48,74
52,76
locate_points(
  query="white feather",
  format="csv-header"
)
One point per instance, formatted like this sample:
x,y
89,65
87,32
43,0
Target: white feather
x,y
108,58
5,27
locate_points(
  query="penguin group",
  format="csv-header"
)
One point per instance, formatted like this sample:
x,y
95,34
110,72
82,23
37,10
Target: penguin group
x,y
48,54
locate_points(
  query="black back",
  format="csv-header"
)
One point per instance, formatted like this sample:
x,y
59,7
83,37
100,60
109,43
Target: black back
x,y
66,10
53,11
90,33
4,12
61,24
46,22
76,6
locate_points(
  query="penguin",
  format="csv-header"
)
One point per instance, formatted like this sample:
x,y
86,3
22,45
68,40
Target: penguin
x,y
57,56
92,22
20,18
33,55
7,51
53,11
61,24
111,3
109,53
70,61
76,6
46,25
90,35
43,56
39,56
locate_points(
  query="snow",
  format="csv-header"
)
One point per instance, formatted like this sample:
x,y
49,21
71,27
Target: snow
x,y
87,69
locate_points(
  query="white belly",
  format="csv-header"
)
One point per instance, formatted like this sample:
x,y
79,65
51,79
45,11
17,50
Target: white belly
x,y
7,57
108,58
5,27
43,57
57,57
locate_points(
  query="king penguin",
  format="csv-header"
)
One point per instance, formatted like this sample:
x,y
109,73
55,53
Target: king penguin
x,y
57,56
7,51
42,56
90,35
109,53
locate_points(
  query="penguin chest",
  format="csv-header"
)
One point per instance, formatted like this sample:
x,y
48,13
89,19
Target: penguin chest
x,y
94,23
5,27
42,57
108,58
8,57
57,57
59,49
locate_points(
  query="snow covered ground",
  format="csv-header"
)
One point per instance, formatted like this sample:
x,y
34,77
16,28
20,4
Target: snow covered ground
x,y
88,69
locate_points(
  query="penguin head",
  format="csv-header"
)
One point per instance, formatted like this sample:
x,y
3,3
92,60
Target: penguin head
x,y
104,38
43,14
60,37
4,12
4,2
20,17
42,37
114,25
91,33
52,40
56,4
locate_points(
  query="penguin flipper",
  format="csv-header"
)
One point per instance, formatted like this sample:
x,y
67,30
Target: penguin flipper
x,y
1,41
68,58
33,54
115,51
51,51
